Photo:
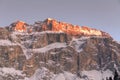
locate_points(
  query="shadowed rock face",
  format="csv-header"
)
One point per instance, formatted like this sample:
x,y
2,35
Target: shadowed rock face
x,y
4,33
31,50
100,54
11,56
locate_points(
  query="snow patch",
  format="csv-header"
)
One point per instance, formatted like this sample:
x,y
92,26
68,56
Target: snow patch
x,y
97,75
6,43
59,77
29,52
42,74
86,75
44,32
5,71
19,33
49,47
49,18
25,51
78,43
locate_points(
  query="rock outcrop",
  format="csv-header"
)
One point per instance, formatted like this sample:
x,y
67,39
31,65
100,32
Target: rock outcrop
x,y
4,33
56,26
52,24
19,26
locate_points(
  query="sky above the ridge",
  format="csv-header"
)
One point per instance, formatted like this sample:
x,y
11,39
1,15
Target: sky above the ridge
x,y
99,14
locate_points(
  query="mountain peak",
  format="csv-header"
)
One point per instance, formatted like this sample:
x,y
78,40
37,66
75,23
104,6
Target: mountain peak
x,y
48,49
19,26
75,30
49,19
51,24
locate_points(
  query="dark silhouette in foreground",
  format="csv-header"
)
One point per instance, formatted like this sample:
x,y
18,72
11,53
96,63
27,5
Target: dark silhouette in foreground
x,y
116,76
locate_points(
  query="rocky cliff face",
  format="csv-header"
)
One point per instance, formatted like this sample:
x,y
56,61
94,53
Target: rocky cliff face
x,y
56,26
52,50
74,30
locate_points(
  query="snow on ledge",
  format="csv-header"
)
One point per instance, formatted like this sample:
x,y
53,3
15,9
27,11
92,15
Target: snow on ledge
x,y
98,75
6,43
49,47
86,75
44,32
4,71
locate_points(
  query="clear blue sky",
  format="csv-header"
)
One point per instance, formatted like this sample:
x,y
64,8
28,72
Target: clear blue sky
x,y
99,14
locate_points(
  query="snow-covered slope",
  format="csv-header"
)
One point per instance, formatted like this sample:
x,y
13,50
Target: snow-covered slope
x,y
43,73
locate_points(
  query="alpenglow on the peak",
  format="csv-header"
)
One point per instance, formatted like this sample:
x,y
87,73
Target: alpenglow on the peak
x,y
50,24
19,26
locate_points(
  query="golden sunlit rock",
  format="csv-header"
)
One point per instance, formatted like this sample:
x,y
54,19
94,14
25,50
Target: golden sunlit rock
x,y
20,26
53,25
